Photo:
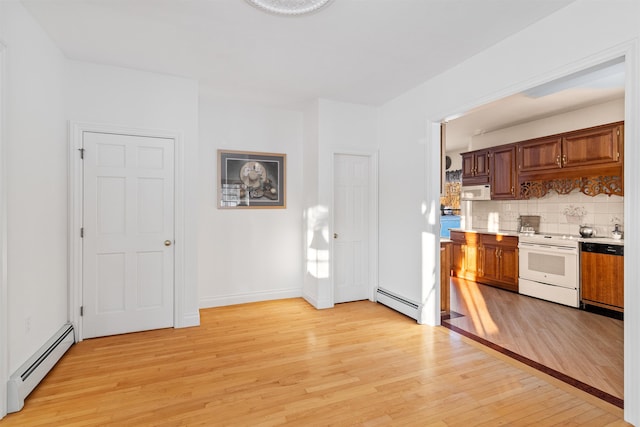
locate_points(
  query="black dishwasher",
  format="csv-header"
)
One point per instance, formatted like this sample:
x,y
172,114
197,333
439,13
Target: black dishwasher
x,y
602,275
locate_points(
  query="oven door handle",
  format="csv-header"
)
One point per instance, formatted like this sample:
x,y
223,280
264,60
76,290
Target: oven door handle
x,y
547,248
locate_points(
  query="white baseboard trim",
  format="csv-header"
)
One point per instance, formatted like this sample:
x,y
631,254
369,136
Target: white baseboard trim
x,y
318,304
220,301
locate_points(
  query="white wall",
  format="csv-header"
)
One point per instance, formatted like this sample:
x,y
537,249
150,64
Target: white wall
x,y
36,142
315,216
122,97
249,254
343,128
403,204
515,64
456,159
600,114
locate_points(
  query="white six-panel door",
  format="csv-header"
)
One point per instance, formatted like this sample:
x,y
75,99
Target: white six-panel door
x,y
351,227
128,222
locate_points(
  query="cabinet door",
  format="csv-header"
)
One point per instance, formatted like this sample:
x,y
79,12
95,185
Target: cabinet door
x,y
509,267
468,166
602,279
475,167
503,173
458,247
471,260
591,147
489,263
540,154
458,259
482,164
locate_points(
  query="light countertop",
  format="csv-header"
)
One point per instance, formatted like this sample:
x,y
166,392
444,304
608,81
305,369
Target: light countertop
x,y
597,239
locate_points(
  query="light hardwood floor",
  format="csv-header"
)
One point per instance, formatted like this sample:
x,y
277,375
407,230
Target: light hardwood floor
x,y
285,363
585,346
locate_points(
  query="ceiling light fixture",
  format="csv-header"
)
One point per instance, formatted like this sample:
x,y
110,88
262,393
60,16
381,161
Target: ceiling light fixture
x,y
289,7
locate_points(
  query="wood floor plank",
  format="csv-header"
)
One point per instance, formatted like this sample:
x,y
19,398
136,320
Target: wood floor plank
x,y
285,363
583,345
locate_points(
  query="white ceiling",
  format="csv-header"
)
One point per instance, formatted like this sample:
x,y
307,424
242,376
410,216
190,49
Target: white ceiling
x,y
593,86
360,51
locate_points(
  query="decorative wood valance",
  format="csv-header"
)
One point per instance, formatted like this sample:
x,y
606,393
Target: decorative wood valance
x,y
590,186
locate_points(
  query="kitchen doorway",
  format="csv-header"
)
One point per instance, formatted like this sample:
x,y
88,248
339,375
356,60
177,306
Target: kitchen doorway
x,y
483,130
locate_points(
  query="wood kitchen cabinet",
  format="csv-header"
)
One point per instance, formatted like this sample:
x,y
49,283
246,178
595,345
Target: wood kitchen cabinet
x,y
464,254
498,264
475,167
503,176
593,146
585,152
542,154
445,276
486,258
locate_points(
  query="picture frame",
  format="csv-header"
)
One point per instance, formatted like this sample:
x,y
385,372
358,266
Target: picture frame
x,y
251,180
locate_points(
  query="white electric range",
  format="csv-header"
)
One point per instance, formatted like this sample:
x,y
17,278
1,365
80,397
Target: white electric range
x,y
549,267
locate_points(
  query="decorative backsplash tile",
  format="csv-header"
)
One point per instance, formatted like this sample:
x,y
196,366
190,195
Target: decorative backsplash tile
x,y
558,213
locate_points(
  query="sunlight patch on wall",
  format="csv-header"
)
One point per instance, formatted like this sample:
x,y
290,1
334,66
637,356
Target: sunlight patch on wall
x,y
317,238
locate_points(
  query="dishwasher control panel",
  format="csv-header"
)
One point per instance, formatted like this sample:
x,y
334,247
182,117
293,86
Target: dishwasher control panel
x,y
602,248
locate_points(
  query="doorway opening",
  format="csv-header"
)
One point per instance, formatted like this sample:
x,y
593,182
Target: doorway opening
x,y
590,97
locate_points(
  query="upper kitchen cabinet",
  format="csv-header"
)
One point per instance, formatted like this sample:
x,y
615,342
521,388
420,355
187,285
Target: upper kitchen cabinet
x,y
503,176
542,154
590,160
594,146
475,167
582,153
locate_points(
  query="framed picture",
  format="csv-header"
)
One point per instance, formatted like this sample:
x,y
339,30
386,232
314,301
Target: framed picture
x,y
251,180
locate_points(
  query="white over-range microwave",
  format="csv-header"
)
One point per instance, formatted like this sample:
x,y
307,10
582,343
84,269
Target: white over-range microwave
x,y
476,192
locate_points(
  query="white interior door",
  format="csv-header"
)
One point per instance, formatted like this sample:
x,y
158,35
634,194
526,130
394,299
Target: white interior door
x,y
128,228
352,184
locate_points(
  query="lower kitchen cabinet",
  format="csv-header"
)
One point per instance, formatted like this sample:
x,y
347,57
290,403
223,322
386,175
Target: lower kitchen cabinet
x,y
499,261
486,258
464,254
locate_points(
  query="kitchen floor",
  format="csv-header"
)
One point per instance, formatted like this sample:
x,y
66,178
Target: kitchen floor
x,y
584,346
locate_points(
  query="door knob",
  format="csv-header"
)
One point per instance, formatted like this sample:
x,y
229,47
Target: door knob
x,y
335,235
167,242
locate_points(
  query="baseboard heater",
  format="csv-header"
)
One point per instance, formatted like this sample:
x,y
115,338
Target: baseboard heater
x,y
398,303
29,375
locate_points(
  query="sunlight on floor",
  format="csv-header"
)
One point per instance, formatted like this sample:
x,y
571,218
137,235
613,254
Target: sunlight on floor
x,y
477,308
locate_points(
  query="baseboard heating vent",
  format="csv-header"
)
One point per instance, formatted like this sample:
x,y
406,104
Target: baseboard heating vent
x,y
398,303
29,375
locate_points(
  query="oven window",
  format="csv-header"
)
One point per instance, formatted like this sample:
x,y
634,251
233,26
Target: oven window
x,y
550,264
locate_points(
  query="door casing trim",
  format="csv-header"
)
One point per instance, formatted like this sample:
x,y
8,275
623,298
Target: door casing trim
x,y
4,293
76,131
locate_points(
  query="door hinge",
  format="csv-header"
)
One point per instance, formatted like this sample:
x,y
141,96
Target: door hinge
x,y
81,232
81,310
81,150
